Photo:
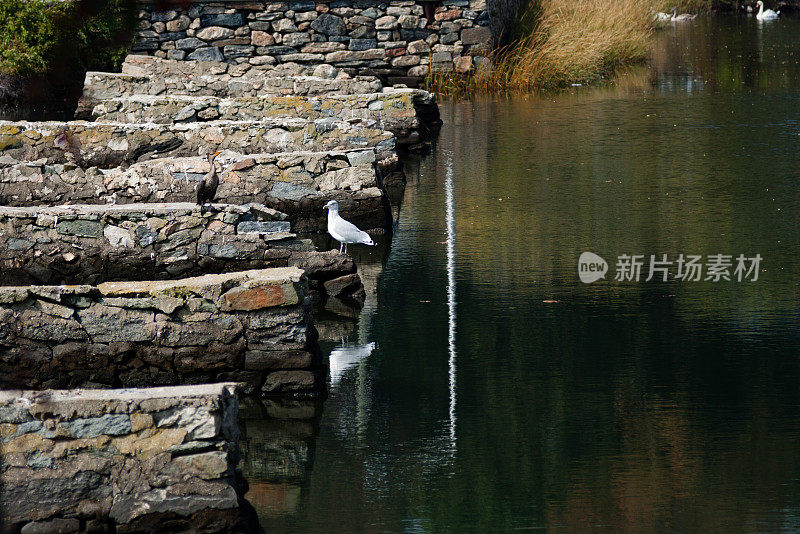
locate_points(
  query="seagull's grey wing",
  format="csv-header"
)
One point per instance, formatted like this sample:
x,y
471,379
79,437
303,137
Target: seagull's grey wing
x,y
348,231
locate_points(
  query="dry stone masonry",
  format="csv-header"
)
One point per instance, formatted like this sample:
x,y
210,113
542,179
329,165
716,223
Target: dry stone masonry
x,y
132,460
253,327
110,144
148,75
296,183
394,110
291,95
90,244
95,243
398,40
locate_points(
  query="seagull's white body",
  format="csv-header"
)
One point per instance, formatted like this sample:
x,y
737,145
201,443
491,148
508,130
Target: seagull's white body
x,y
765,14
345,356
344,231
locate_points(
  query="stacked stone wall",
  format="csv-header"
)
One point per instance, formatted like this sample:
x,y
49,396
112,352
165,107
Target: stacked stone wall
x,y
397,40
111,144
298,184
120,460
253,327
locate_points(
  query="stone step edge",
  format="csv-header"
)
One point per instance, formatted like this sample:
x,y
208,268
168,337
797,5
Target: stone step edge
x,y
95,399
259,157
138,63
419,95
184,126
360,156
65,211
153,288
166,77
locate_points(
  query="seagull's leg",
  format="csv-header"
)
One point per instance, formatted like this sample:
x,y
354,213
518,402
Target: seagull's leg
x,y
345,248
340,247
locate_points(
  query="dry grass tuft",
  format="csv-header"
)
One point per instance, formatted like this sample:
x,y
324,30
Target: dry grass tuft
x,y
571,41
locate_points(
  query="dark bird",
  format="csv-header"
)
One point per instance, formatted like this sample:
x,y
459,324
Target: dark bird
x,y
208,185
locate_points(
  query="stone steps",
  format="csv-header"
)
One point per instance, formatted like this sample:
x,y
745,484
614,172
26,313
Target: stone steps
x,y
394,109
110,144
95,243
251,326
296,183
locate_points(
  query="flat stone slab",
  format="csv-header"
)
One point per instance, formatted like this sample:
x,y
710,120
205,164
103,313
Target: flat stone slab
x,y
244,326
109,144
104,85
140,65
296,183
124,457
136,210
97,402
393,109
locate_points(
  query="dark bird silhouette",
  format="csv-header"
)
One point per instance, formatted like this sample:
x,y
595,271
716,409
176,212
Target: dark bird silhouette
x,y
208,185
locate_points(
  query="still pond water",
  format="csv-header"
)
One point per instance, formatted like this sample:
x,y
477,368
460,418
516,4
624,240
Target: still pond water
x,y
502,393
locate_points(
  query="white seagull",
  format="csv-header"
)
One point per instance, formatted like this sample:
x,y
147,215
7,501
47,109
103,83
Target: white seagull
x,y
344,231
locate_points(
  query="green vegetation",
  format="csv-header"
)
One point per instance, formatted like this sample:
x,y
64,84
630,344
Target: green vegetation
x,y
39,36
576,41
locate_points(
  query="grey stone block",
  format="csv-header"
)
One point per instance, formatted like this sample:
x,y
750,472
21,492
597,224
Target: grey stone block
x,y
329,25
207,54
363,44
231,20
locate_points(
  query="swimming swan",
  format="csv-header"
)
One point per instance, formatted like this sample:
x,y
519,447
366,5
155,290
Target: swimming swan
x,y
662,17
682,17
765,15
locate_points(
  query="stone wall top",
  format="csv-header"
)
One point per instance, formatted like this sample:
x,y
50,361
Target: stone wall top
x,y
95,402
96,211
210,284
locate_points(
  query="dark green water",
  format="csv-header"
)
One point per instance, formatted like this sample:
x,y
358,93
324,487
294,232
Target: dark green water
x,y
616,406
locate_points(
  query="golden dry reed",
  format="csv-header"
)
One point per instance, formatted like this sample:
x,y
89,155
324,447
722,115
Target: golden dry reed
x,y
570,41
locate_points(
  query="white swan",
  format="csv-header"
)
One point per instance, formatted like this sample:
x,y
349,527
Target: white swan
x,y
662,17
765,14
344,231
682,17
